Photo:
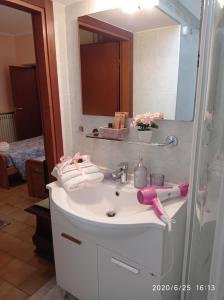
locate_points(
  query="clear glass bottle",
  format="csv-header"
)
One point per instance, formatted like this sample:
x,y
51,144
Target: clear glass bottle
x,y
140,175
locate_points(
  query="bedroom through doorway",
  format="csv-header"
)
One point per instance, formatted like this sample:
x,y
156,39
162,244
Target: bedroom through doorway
x,y
30,144
21,133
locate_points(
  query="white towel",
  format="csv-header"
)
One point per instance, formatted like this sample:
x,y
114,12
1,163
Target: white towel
x,y
69,173
65,177
4,146
79,181
77,175
71,167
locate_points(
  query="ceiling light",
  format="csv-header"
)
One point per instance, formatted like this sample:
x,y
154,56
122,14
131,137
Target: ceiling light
x,y
148,4
131,6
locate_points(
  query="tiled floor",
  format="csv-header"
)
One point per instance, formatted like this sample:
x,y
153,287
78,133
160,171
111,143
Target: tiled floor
x,y
22,273
51,291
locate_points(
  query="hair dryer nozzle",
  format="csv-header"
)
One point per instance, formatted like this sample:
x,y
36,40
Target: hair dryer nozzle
x,y
184,189
146,195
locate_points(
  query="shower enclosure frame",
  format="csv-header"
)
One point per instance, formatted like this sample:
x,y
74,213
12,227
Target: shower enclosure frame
x,y
208,27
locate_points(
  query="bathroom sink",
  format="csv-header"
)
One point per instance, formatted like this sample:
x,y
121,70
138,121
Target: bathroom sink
x,y
106,207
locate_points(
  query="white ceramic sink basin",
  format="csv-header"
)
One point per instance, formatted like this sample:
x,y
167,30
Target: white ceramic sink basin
x,y
106,206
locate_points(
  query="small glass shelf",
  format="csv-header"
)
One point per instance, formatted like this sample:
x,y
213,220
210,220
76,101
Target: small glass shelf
x,y
170,140
103,138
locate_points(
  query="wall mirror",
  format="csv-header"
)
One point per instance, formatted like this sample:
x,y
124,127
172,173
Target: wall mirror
x,y
141,61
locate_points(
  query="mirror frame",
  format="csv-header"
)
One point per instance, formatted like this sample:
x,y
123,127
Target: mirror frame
x,y
125,39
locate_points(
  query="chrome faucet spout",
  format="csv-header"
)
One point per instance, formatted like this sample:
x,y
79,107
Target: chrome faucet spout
x,y
121,173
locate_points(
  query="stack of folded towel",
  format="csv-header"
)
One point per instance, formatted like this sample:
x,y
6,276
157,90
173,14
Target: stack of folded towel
x,y
77,171
4,146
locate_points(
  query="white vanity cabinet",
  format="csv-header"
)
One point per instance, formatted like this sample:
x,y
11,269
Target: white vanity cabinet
x,y
120,278
106,267
75,260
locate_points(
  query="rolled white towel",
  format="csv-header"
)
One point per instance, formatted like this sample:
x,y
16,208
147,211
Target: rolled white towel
x,y
84,168
73,167
77,182
4,146
72,174
59,170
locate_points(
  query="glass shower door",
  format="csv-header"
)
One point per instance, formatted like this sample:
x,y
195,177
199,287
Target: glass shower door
x,y
208,170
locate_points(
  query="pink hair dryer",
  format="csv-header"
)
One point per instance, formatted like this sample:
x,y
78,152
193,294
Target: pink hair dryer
x,y
154,195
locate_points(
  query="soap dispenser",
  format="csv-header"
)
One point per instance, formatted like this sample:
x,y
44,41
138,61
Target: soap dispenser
x,y
140,174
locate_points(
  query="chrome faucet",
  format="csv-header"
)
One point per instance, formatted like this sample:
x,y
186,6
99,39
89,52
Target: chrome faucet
x,y
121,173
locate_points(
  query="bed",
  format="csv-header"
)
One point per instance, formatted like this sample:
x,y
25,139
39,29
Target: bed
x,y
13,160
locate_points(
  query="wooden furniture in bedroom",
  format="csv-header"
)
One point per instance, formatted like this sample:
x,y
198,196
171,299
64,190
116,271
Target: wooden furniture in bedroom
x,y
36,175
26,101
5,172
42,237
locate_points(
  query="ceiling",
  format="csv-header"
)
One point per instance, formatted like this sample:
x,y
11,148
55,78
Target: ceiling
x,y
194,6
68,2
14,21
139,21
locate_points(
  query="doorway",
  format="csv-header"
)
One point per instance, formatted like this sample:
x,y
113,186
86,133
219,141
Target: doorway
x,y
24,271
43,32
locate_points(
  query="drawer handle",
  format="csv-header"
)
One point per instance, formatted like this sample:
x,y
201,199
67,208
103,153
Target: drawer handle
x,y
71,238
124,265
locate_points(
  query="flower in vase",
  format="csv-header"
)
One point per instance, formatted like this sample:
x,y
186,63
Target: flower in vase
x,y
146,122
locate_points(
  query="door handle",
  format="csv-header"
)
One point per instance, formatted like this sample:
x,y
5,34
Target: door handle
x,y
19,108
124,266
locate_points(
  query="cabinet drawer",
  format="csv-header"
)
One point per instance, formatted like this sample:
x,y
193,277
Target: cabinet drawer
x,y
120,278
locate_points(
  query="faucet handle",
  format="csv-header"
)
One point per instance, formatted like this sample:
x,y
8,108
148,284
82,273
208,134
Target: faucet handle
x,y
123,165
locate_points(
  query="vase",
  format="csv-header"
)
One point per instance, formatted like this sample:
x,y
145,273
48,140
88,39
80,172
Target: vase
x,y
145,136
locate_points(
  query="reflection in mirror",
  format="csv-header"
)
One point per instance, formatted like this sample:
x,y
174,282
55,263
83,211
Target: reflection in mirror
x,y
106,54
165,58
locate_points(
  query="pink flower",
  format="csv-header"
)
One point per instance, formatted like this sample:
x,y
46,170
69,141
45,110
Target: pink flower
x,y
147,118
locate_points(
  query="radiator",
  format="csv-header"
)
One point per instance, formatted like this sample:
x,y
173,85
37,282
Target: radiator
x,y
7,127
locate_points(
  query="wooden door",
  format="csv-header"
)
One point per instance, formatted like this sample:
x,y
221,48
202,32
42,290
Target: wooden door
x,y
100,78
26,102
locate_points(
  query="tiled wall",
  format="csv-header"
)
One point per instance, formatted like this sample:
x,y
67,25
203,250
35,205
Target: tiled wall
x,y
173,162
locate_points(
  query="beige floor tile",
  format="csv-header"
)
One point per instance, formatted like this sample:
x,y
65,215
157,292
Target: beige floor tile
x,y
23,204
26,234
7,209
24,217
41,263
22,272
5,258
4,194
9,292
16,272
35,281
8,241
33,199
13,190
3,198
5,218
16,199
22,192
12,200
23,251
15,228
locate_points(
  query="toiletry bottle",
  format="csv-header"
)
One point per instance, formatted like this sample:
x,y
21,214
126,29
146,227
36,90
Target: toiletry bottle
x,y
140,175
